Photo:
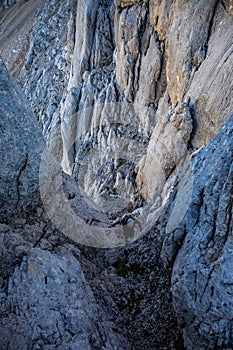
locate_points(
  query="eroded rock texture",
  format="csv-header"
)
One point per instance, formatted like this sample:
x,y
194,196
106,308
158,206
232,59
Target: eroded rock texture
x,y
7,3
52,307
154,56
202,277
132,90
21,144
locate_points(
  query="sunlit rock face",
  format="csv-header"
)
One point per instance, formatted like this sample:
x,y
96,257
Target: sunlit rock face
x,y
156,61
151,57
99,60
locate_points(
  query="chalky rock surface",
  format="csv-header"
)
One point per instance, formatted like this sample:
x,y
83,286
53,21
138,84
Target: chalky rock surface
x,y
21,144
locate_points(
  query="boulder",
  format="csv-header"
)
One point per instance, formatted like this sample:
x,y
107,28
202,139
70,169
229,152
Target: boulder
x,y
49,305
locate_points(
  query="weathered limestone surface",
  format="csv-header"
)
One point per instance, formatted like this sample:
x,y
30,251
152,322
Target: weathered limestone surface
x,y
167,148
187,42
211,87
152,54
132,90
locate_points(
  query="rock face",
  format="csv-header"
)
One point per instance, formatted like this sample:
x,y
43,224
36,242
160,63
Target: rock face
x,y
168,147
128,95
21,144
113,65
8,3
52,307
202,247
149,56
213,80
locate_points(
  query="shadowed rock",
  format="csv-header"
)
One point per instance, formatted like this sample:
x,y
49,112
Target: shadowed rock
x,y
202,280
52,307
21,144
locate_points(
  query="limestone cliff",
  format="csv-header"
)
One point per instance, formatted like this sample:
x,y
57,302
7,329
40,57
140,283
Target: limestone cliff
x,y
131,97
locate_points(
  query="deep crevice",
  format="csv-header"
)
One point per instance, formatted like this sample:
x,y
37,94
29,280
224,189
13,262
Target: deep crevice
x,y
206,46
21,170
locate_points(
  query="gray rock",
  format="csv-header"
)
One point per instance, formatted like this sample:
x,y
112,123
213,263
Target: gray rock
x,y
181,49
212,84
201,246
49,305
148,57
229,6
136,55
21,144
167,148
8,3
48,60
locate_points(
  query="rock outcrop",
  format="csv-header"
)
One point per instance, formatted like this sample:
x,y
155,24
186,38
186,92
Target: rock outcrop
x,y
201,247
49,305
130,95
152,56
21,145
